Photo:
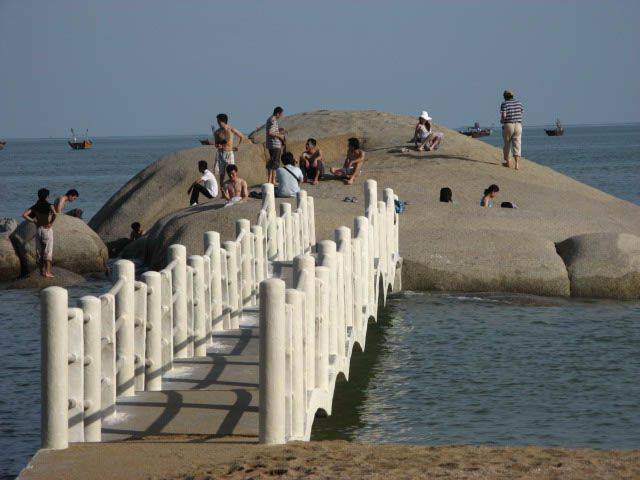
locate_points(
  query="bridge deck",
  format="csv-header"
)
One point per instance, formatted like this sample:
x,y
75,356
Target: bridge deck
x,y
212,396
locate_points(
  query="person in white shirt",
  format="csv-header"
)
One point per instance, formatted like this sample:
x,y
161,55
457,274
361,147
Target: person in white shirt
x,y
206,185
289,177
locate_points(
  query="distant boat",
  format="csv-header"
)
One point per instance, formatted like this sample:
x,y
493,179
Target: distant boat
x,y
555,132
80,144
476,131
2,144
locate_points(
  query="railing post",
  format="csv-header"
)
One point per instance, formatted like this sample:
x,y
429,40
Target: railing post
x,y
356,284
54,357
207,297
199,316
298,398
307,264
125,328
285,214
295,234
180,308
92,368
272,415
167,319
226,305
140,333
340,323
243,225
212,244
312,222
361,225
153,350
269,202
234,291
301,198
327,258
322,285
259,252
281,239
382,237
76,375
190,330
343,242
108,353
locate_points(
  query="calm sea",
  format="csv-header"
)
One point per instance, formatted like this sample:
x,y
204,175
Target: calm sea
x,y
439,369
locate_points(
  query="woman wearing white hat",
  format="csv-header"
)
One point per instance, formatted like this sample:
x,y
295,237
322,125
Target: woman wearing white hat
x,y
424,137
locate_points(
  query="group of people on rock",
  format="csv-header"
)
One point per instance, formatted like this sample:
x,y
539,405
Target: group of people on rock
x,y
43,214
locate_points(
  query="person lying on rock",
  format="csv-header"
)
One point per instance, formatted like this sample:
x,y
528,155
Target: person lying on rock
x,y
71,196
136,231
224,137
206,185
235,189
43,215
489,194
423,137
289,177
352,163
311,162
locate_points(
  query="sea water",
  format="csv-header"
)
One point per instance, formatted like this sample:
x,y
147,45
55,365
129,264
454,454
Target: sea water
x,y
445,369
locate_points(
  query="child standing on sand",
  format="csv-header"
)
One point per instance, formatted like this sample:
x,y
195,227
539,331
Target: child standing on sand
x,y
352,163
43,215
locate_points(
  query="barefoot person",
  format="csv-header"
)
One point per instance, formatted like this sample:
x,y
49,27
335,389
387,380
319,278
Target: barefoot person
x,y
511,112
224,137
311,162
205,185
235,189
352,163
275,143
424,137
69,197
43,215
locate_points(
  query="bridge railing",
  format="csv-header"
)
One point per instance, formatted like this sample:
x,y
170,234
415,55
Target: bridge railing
x,y
125,340
307,333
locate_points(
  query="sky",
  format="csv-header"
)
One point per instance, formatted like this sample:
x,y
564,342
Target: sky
x,y
156,67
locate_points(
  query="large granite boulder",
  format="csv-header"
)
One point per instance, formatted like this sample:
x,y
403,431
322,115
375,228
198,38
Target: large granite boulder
x,y
604,265
75,246
161,188
62,278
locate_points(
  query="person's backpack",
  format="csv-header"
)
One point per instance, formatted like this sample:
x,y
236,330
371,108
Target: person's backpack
x,y
400,206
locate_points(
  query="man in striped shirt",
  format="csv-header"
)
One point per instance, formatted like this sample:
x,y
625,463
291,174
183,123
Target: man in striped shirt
x,y
275,142
511,112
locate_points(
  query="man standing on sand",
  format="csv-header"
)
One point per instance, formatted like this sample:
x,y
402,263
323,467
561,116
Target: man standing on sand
x,y
275,142
43,214
223,138
511,112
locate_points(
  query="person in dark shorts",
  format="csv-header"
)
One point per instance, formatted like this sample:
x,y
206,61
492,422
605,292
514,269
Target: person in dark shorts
x,y
274,144
311,162
43,215
205,185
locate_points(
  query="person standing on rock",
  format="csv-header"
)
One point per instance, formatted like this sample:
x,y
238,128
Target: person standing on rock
x,y
511,113
69,197
42,214
275,143
206,185
223,138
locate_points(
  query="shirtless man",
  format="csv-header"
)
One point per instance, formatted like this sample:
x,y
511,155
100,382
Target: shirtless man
x,y
352,164
311,162
43,214
235,189
71,196
223,138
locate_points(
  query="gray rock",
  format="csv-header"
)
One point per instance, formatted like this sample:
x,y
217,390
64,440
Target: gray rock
x,y
9,260
75,246
7,226
135,249
603,265
63,278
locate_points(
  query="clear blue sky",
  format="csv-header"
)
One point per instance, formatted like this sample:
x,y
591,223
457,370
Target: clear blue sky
x,y
167,67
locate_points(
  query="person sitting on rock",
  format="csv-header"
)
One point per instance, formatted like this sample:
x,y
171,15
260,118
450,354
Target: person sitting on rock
x,y
224,137
289,177
311,162
235,189
446,195
136,231
424,137
43,215
206,185
352,163
489,194
71,196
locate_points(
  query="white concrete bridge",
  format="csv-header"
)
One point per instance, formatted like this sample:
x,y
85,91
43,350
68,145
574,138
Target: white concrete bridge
x,y
246,340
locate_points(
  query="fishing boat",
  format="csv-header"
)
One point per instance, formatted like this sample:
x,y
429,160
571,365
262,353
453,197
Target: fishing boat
x,y
80,144
2,144
555,132
476,131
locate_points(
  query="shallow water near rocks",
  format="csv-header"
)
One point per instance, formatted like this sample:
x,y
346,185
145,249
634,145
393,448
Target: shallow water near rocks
x,y
494,369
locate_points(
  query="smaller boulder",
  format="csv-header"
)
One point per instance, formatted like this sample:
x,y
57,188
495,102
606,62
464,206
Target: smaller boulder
x,y
135,249
62,278
75,246
603,265
7,226
9,260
